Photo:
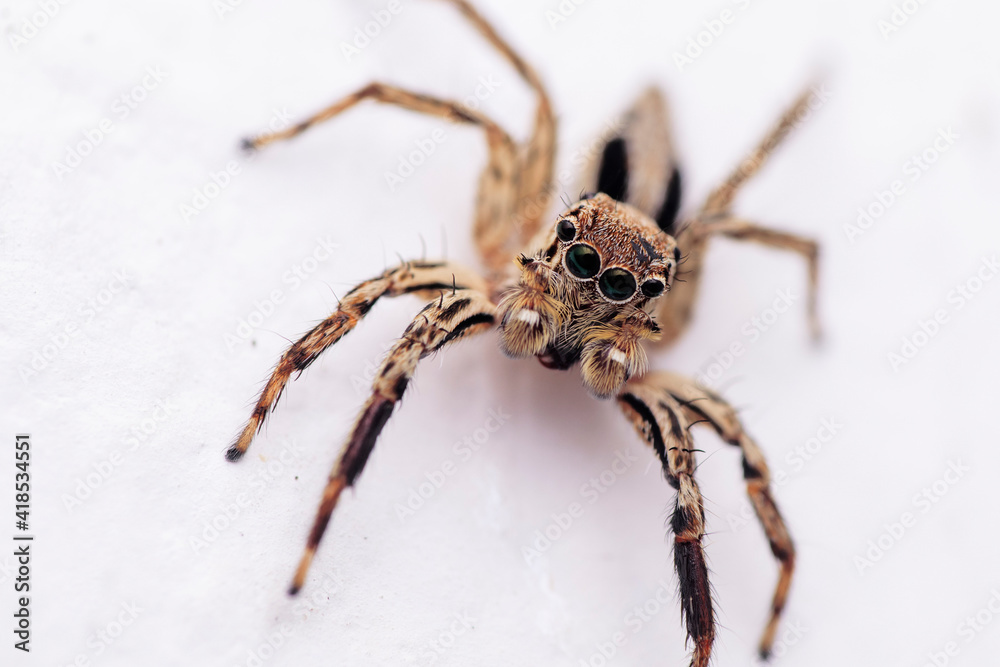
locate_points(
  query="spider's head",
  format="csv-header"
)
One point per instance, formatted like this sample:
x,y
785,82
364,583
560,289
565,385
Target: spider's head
x,y
585,296
610,251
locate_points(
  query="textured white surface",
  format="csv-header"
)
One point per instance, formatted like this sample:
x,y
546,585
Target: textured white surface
x,y
157,356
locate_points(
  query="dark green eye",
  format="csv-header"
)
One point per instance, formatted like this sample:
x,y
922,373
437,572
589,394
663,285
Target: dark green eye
x,y
617,284
583,261
652,288
566,231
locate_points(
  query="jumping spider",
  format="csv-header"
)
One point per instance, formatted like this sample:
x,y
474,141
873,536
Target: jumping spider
x,y
588,289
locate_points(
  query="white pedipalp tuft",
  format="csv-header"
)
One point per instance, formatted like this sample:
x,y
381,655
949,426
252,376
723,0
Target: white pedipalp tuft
x,y
614,354
529,316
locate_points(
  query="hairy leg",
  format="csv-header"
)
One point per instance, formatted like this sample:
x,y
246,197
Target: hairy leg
x,y
736,228
425,279
661,421
675,311
536,159
701,405
498,181
453,316
722,197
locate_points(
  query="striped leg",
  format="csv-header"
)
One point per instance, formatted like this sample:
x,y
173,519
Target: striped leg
x,y
497,196
702,405
736,228
675,312
454,315
425,279
662,422
537,158
722,197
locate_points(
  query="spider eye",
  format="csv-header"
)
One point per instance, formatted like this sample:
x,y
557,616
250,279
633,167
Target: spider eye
x,y
566,231
583,261
652,288
617,284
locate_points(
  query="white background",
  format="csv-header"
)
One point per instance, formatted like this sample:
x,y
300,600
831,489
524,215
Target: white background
x,y
94,401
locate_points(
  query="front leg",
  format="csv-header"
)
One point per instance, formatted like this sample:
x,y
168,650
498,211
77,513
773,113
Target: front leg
x,y
704,407
661,422
451,317
737,228
425,279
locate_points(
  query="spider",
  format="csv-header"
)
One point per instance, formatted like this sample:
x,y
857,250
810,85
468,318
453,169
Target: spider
x,y
587,290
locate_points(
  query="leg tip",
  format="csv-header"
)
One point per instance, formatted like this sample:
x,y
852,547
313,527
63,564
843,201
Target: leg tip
x,y
293,590
234,454
248,145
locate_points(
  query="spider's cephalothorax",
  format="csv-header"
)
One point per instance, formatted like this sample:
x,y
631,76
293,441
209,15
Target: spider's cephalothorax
x,y
588,289
586,294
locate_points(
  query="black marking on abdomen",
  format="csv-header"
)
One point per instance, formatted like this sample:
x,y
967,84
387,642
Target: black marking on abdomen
x,y
612,178
667,217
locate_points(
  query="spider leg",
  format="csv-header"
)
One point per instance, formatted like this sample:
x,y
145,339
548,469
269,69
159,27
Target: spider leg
x,y
736,228
425,279
497,184
675,311
455,315
536,158
722,197
662,422
702,405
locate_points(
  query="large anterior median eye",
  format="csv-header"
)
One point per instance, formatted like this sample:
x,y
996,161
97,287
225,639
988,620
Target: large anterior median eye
x,y
583,261
617,284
